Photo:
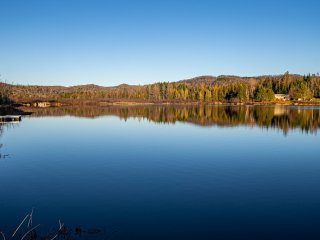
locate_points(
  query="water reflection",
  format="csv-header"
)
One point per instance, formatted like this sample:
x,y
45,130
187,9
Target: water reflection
x,y
2,155
156,181
284,118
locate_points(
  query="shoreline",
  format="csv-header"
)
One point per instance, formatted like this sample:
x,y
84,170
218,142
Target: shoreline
x,y
14,107
43,104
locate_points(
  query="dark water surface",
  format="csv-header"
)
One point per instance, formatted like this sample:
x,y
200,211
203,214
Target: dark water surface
x,y
170,172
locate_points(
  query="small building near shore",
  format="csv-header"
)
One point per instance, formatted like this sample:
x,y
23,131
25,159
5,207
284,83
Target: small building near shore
x,y
282,97
41,104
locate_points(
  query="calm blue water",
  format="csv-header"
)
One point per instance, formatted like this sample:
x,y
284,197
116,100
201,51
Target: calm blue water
x,y
180,179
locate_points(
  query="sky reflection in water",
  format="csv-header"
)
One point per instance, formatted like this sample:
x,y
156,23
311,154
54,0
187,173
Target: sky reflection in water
x,y
215,172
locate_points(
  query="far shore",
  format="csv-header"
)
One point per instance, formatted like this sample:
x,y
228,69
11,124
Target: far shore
x,y
286,89
48,104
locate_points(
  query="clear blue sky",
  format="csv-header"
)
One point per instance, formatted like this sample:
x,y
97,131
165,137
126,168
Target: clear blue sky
x,y
68,42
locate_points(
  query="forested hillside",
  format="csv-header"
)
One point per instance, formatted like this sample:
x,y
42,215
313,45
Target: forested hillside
x,y
200,89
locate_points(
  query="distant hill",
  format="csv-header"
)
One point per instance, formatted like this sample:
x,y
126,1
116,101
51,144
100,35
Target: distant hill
x,y
203,88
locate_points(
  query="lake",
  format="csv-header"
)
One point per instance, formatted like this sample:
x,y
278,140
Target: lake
x,y
165,172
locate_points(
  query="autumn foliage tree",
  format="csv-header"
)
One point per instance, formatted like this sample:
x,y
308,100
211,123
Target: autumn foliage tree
x,y
4,93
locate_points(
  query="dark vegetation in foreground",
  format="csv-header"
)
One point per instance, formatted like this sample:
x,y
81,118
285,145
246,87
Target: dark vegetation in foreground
x,y
199,89
10,110
307,119
27,230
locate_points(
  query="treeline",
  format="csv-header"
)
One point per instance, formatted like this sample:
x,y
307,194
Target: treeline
x,y
232,89
200,89
284,118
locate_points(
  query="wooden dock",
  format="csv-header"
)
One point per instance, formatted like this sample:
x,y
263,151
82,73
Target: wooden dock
x,y
10,118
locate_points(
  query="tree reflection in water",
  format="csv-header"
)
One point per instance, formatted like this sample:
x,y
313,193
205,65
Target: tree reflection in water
x,y
307,119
